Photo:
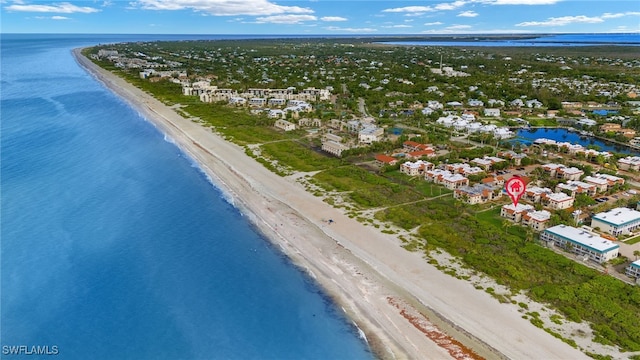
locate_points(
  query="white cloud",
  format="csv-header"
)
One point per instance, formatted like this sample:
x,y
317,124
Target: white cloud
x,y
567,20
522,2
62,8
423,9
458,27
351,30
432,23
410,9
397,26
333,18
223,7
468,14
58,17
285,19
450,6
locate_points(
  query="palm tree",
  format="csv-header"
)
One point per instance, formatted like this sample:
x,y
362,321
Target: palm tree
x,y
636,253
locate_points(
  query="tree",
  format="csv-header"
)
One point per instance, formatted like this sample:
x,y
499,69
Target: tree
x,y
636,253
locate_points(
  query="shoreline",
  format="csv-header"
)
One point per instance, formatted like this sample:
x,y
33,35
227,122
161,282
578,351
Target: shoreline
x,y
394,296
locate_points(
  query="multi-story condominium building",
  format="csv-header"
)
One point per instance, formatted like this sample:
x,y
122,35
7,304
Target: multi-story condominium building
x,y
574,187
618,221
581,242
370,134
444,177
537,220
476,194
285,125
514,213
633,270
562,172
462,168
603,181
557,201
487,161
629,163
415,168
332,144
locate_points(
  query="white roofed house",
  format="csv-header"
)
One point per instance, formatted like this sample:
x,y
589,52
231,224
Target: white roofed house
x,y
415,168
629,163
633,270
537,220
332,144
475,103
581,242
514,213
237,100
533,104
476,194
557,201
487,162
618,221
603,182
276,114
370,134
446,178
277,102
492,112
574,187
285,125
257,102
570,173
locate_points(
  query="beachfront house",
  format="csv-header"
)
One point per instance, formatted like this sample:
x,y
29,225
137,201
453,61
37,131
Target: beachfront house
x,y
582,242
618,221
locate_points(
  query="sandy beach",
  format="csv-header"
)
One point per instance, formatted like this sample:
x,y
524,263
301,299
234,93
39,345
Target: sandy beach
x,y
406,307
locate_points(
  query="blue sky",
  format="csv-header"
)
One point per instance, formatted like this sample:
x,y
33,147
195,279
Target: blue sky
x,y
319,16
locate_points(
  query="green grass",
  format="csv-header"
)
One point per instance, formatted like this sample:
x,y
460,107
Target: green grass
x,y
298,157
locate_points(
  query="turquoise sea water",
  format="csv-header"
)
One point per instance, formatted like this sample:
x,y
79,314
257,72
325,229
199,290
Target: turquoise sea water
x,y
114,245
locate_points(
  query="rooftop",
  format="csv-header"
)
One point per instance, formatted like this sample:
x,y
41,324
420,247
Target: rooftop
x,y
618,216
583,237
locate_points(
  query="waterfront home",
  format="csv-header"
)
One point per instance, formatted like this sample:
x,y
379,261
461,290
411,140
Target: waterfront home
x,y
332,144
284,124
514,212
449,180
415,168
633,270
476,194
629,163
537,220
581,242
618,221
574,187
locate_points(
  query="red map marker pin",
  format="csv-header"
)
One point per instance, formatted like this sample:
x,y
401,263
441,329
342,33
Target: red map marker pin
x,y
515,187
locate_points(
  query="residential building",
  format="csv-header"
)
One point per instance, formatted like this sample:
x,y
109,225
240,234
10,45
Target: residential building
x,y
492,112
462,168
602,182
629,163
618,221
537,220
446,178
557,201
581,242
487,162
513,156
370,134
382,160
476,194
574,187
285,125
332,144
514,213
633,270
415,168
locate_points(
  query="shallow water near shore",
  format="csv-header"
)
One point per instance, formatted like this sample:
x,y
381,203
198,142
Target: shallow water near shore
x,y
115,246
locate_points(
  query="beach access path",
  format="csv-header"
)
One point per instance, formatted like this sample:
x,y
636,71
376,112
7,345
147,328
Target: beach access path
x,y
385,289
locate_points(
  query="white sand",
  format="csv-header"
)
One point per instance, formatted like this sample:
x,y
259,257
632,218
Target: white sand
x,y
364,270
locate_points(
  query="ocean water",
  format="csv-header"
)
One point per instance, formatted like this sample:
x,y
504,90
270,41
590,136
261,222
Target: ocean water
x,y
553,40
114,245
